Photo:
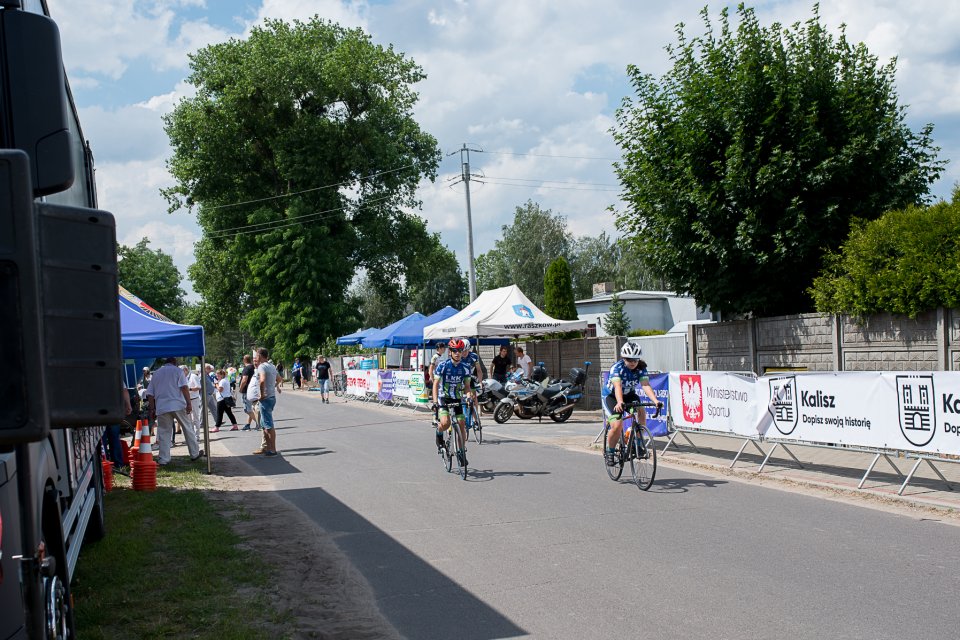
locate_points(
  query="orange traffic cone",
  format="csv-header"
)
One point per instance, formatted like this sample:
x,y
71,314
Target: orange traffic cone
x,y
107,467
132,452
143,470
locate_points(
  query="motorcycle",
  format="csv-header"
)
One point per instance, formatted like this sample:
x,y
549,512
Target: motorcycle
x,y
491,393
538,397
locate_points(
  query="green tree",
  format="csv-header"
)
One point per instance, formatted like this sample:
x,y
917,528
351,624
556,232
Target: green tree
x,y
592,260
378,301
907,261
616,322
434,278
558,299
298,153
151,276
522,254
753,152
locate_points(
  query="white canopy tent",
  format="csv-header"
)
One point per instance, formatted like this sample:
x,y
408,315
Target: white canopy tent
x,y
500,312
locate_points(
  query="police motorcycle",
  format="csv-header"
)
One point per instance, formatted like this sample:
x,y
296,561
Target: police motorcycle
x,y
491,393
539,397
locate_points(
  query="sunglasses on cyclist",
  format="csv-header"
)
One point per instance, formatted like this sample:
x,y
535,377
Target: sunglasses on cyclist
x,y
456,350
632,360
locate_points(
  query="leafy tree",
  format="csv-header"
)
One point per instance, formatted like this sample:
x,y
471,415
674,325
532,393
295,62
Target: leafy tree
x,y
151,276
752,153
907,261
522,254
298,153
379,302
434,278
558,299
592,260
616,322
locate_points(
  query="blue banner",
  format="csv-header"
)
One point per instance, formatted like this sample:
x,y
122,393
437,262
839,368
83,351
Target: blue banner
x,y
660,383
386,386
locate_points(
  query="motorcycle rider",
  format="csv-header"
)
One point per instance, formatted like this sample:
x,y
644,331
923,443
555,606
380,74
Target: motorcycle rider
x,y
626,375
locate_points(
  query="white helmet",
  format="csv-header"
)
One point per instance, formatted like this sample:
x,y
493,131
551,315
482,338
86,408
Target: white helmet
x,y
466,345
631,350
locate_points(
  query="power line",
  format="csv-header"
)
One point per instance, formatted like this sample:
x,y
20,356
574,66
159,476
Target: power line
x,y
543,186
546,155
595,184
327,186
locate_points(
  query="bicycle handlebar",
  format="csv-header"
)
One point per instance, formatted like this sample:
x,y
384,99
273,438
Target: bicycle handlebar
x,y
634,404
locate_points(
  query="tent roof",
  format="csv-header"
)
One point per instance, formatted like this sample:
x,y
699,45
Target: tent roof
x,y
355,337
411,334
500,312
147,333
381,337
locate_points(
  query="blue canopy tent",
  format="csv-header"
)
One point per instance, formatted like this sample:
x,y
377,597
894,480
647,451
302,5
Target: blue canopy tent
x,y
380,338
411,334
356,337
144,335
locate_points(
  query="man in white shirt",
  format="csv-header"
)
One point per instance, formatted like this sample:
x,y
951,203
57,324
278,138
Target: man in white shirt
x,y
169,398
524,362
266,375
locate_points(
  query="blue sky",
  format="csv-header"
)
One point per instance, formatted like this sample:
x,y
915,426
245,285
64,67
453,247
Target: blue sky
x,y
534,84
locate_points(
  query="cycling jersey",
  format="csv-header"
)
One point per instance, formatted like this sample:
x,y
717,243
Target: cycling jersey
x,y
452,376
629,379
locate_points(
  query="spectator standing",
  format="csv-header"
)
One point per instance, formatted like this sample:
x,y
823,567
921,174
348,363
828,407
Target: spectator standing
x,y
297,374
169,399
211,383
267,375
524,362
306,372
323,378
280,378
224,401
193,385
500,363
246,377
111,436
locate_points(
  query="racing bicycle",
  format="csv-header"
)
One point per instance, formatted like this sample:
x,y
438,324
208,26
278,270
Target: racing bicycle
x,y
452,441
636,446
472,420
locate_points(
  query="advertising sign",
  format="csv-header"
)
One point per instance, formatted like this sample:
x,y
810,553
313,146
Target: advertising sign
x,y
386,386
660,383
417,388
401,385
716,401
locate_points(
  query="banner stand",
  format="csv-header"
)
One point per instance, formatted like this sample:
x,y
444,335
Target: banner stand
x,y
921,458
873,463
775,445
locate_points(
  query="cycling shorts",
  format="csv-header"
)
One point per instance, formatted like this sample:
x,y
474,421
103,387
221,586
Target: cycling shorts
x,y
447,404
610,402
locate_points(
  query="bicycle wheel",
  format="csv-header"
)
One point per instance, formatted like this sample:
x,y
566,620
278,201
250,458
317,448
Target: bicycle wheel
x,y
445,452
477,427
643,457
461,446
338,386
616,469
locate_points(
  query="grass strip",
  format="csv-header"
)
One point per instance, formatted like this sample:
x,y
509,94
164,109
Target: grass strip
x,y
171,567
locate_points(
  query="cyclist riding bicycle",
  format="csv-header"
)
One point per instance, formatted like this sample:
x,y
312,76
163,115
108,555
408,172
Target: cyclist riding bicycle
x,y
453,378
626,375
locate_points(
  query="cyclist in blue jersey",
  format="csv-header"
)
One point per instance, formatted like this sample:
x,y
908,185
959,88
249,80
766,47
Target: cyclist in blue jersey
x,y
626,375
451,380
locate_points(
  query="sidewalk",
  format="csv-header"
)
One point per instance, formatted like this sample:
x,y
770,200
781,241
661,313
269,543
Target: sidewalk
x,y
836,471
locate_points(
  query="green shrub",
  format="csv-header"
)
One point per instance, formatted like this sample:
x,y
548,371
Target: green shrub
x,y
639,333
907,262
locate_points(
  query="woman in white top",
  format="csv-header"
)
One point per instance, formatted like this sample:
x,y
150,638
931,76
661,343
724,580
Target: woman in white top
x,y
224,402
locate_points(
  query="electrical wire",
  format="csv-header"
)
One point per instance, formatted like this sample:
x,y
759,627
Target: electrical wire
x,y
546,155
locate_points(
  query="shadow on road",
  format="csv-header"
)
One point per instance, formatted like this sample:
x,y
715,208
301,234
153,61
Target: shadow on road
x,y
485,475
419,601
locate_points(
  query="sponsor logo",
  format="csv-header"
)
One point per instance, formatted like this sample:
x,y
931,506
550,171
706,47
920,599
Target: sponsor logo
x,y
474,313
691,392
783,403
817,400
916,408
523,311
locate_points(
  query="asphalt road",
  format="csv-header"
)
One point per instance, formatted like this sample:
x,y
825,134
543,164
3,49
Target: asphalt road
x,y
539,543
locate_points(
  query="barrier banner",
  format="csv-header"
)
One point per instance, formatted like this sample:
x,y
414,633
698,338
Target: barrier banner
x,y
356,382
386,386
882,410
660,383
418,388
401,385
717,401
368,363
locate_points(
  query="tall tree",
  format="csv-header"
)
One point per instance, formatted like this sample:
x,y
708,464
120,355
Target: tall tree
x,y
750,156
298,152
434,278
592,260
522,254
558,300
616,322
151,276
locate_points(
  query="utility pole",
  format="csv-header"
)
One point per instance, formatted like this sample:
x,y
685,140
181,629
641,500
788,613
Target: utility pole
x,y
465,176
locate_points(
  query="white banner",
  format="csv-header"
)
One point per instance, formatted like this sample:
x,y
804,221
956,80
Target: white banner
x,y
882,410
401,385
362,381
715,401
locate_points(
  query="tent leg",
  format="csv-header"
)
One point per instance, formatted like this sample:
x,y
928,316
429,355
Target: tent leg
x,y
204,381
